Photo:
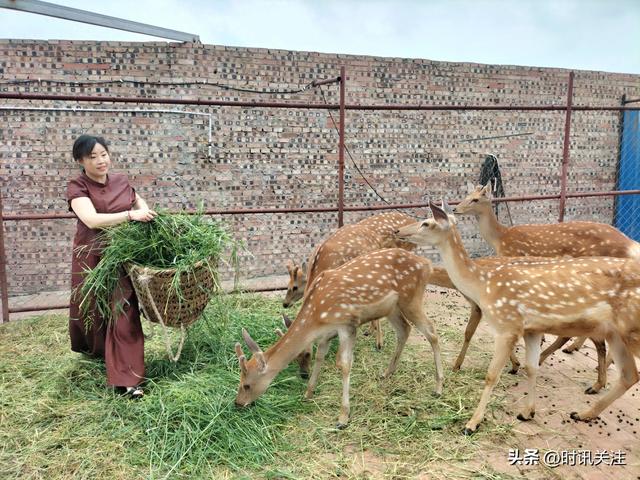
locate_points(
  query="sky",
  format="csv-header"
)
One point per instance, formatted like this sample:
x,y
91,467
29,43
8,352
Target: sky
x,y
576,34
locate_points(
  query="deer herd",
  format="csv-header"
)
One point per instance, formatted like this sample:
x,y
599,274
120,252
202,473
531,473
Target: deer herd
x,y
574,279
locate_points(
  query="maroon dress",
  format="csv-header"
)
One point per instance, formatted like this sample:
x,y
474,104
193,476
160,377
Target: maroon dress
x,y
121,343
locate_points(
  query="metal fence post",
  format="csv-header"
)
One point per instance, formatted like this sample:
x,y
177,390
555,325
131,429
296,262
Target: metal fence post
x,y
341,149
3,269
565,149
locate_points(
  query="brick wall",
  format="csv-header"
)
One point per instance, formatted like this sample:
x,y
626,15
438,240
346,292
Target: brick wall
x,y
271,158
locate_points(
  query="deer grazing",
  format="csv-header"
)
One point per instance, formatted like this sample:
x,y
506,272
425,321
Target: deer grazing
x,y
596,297
385,283
348,242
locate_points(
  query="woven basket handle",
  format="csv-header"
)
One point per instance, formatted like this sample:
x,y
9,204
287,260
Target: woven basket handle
x,y
172,357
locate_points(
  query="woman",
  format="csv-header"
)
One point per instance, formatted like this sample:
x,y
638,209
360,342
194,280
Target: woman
x,y
102,199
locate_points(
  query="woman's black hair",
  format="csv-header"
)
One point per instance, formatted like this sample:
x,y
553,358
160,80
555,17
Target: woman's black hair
x,y
84,144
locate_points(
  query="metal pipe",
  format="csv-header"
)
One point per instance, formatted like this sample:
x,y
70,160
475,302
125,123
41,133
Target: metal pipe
x,y
341,149
318,83
4,285
166,101
61,306
93,18
317,106
39,308
609,193
565,148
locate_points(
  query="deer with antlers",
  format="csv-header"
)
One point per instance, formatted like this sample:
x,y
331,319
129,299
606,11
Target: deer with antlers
x,y
596,297
385,283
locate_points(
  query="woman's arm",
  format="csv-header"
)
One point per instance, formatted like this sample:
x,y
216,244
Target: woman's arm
x,y
86,212
140,204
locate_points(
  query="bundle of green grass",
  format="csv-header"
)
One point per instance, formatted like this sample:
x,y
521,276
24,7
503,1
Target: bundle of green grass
x,y
180,242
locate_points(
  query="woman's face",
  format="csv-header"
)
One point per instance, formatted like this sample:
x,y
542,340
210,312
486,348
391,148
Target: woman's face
x,y
96,165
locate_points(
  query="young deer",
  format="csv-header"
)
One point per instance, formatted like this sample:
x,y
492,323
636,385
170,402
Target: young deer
x,y
572,239
597,297
348,242
386,283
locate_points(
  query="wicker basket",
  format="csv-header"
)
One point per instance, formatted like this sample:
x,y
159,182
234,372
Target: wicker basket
x,y
159,302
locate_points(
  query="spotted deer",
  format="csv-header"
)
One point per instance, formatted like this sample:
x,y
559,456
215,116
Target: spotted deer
x,y
571,239
385,283
348,242
595,297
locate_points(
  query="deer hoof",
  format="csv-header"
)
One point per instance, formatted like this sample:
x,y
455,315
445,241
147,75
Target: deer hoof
x,y
575,416
566,350
522,418
341,426
514,370
591,391
467,431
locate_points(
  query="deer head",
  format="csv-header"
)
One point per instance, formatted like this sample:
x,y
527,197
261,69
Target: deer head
x,y
478,199
253,373
297,283
427,232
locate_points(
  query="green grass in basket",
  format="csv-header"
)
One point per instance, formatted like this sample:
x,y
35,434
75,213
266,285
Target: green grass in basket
x,y
175,241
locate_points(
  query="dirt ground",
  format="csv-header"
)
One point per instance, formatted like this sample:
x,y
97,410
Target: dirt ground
x,y
608,448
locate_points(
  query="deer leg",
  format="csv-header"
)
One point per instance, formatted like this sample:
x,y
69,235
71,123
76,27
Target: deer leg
x,y
515,364
609,360
575,345
602,368
472,325
628,377
377,328
402,329
558,343
503,346
415,314
304,361
344,361
532,346
321,353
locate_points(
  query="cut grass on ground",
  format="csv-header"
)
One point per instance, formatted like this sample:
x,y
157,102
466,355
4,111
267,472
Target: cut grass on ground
x,y
59,420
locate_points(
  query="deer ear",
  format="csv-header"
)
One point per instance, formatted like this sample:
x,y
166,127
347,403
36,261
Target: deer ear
x,y
290,265
486,190
470,187
242,360
445,206
439,215
449,211
253,346
286,320
303,267
261,362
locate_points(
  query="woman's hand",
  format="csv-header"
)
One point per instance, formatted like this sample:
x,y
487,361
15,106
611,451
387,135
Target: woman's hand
x,y
142,215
